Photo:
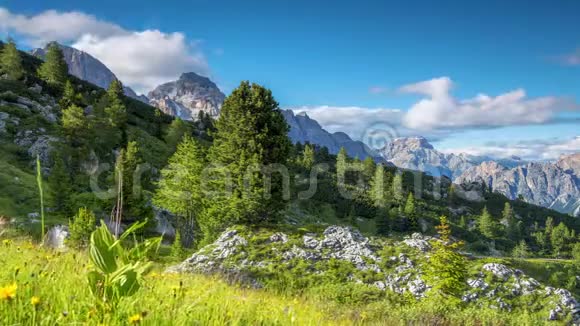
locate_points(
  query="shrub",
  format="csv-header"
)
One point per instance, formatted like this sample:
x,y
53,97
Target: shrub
x,y
81,226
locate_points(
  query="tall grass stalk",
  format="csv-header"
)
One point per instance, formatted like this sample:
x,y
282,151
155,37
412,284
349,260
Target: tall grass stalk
x,y
39,182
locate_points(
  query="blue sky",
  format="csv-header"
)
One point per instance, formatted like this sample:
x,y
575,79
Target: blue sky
x,y
359,54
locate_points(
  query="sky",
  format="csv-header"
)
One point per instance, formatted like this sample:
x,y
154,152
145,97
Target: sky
x,y
489,77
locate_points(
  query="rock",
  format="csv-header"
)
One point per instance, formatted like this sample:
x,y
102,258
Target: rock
x,y
477,284
498,270
310,242
417,287
42,147
163,225
36,88
418,241
56,236
279,237
33,215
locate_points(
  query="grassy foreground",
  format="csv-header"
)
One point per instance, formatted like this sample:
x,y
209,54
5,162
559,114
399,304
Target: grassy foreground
x,y
43,287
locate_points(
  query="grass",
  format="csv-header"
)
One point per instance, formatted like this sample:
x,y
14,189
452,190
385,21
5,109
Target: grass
x,y
52,290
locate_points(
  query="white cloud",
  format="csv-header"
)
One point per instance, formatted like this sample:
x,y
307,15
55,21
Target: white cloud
x,y
572,59
440,110
141,59
539,149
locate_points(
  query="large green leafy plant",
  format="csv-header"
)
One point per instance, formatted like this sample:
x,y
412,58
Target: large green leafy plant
x,y
118,271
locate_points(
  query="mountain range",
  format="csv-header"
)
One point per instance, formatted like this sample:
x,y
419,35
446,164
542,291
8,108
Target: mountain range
x,y
553,185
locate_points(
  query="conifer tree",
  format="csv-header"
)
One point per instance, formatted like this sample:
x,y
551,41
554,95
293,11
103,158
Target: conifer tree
x,y
115,110
410,211
368,169
341,162
68,96
74,123
513,229
61,187
521,250
10,61
54,69
447,268
398,187
176,131
251,138
559,239
308,157
487,225
180,189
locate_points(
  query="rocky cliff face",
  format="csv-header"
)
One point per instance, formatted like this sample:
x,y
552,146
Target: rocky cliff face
x,y
553,185
187,96
303,129
84,66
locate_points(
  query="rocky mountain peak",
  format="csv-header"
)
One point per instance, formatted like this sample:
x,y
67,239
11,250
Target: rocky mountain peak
x,y
411,143
187,96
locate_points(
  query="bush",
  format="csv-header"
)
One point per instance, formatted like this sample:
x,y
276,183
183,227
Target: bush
x,y
81,227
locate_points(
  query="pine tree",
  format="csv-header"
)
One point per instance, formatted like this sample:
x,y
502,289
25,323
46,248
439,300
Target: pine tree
x,y
521,250
341,162
308,158
74,123
513,229
60,182
176,131
368,169
180,189
463,223
398,187
134,201
560,237
10,61
115,110
487,224
251,139
68,96
377,187
447,269
410,211
54,69
383,221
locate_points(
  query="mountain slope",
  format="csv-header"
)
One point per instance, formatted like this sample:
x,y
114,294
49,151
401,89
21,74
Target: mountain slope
x,y
86,67
303,129
553,185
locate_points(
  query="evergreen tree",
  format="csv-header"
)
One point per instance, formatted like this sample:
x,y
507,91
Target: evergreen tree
x,y
251,138
368,169
134,201
115,110
54,69
398,187
176,131
487,225
560,238
521,250
447,268
60,182
74,123
410,211
463,223
180,189
10,61
341,162
377,187
68,96
383,221
308,157
513,228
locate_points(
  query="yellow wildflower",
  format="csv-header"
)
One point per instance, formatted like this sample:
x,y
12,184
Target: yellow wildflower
x,y
135,319
35,301
8,292
6,242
